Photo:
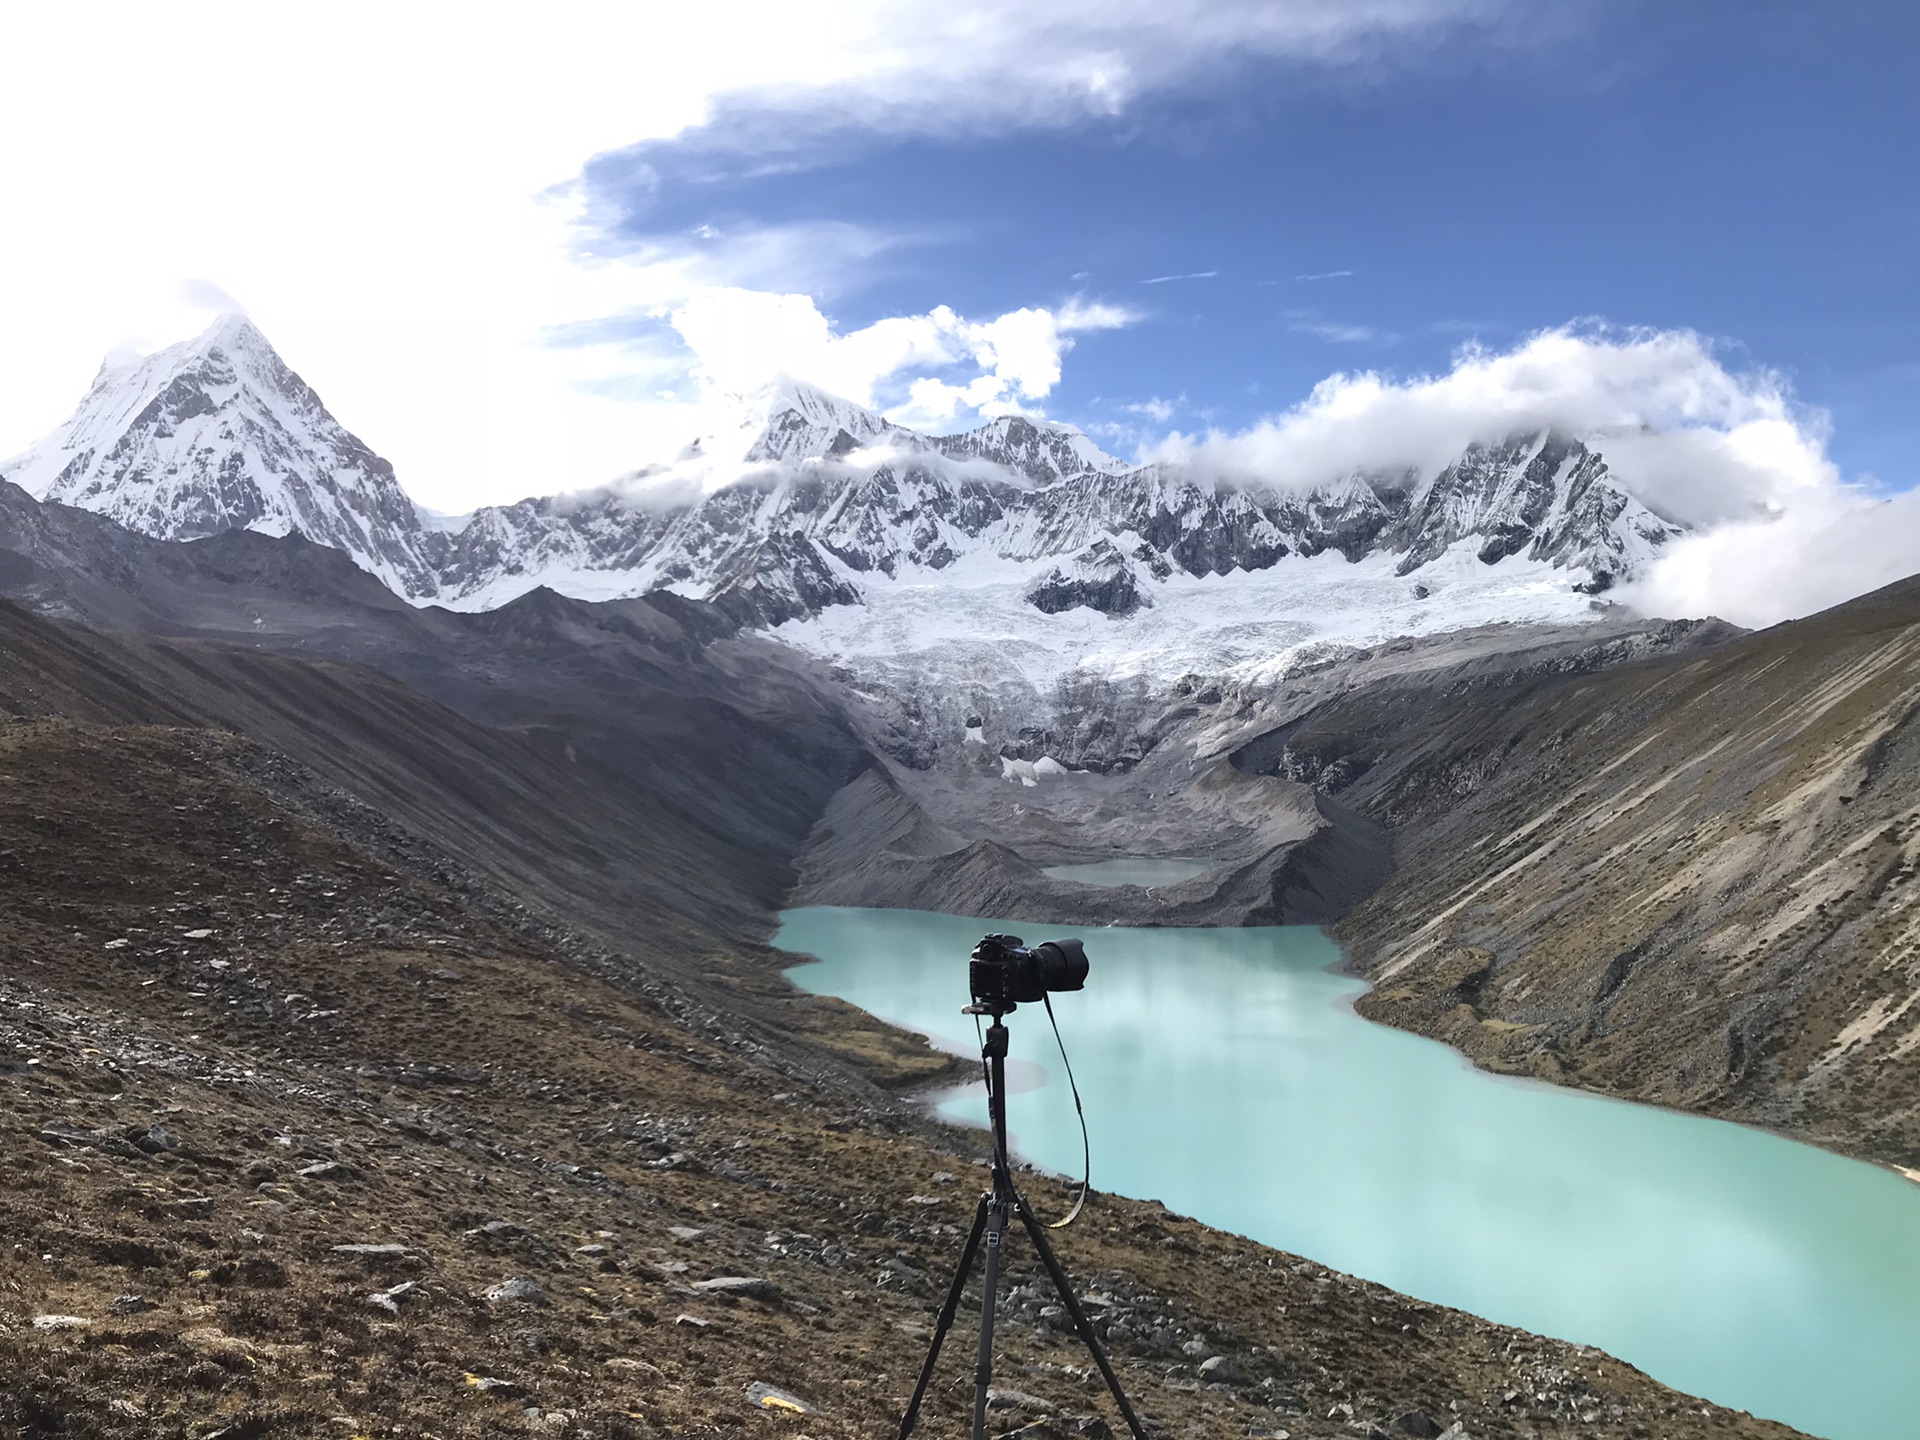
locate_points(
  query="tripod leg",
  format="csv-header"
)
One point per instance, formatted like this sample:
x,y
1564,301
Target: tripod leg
x,y
945,1322
990,1286
1080,1321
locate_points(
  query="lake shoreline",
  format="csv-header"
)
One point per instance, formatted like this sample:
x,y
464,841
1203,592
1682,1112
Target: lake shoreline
x,y
1333,964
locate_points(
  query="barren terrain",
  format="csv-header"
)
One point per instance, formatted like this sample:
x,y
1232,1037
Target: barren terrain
x,y
312,1131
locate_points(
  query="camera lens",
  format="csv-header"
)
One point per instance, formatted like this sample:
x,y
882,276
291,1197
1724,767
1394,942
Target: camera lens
x,y
1062,964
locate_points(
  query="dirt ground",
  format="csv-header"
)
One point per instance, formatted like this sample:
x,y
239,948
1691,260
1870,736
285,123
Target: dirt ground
x,y
307,1133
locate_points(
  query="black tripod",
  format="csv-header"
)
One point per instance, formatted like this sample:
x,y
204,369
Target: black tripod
x,y
990,1221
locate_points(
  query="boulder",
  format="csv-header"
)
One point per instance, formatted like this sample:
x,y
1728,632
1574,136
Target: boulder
x,y
518,1289
753,1287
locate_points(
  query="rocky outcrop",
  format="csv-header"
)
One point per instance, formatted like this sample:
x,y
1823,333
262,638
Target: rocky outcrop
x,y
1687,880
784,577
1099,578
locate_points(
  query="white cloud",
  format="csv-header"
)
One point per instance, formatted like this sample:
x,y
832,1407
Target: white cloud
x,y
1578,379
1019,357
814,256
1194,275
201,294
1826,545
389,187
729,341
1726,452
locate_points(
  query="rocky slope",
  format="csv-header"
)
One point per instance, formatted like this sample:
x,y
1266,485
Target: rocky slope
x,y
1686,880
961,809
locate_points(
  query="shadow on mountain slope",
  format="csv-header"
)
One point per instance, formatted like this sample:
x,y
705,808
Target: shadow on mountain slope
x,y
671,806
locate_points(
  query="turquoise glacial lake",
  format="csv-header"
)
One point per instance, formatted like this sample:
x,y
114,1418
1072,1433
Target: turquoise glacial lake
x,y
1225,1073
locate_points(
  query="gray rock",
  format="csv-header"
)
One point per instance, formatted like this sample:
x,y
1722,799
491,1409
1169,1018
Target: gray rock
x,y
685,1232
1219,1370
389,1300
504,1233
131,1305
753,1287
388,1250
326,1170
999,1398
693,1322
518,1289
1418,1424
60,1322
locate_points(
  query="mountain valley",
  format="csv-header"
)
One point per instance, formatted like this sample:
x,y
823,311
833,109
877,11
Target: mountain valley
x,y
284,750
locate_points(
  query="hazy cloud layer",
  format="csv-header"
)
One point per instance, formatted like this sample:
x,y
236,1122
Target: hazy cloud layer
x,y
1827,545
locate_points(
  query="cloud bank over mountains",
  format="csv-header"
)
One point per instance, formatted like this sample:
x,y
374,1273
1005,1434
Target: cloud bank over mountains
x,y
1778,532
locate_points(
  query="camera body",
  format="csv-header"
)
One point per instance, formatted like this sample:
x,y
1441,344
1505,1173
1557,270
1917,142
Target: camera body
x,y
1003,972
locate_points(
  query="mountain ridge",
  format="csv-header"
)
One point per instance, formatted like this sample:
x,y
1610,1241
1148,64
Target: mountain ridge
x,y
799,501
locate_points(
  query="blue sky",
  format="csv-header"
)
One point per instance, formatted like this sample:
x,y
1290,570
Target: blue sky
x,y
1745,170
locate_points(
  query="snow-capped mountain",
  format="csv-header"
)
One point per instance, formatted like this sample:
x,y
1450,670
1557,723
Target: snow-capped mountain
x,y
216,434
1101,535
797,502
1041,450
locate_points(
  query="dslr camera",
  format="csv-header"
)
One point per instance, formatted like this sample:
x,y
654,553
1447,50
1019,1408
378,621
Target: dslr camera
x,y
1003,972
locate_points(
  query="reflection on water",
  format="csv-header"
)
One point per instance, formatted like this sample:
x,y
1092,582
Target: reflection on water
x,y
1131,871
1226,1074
